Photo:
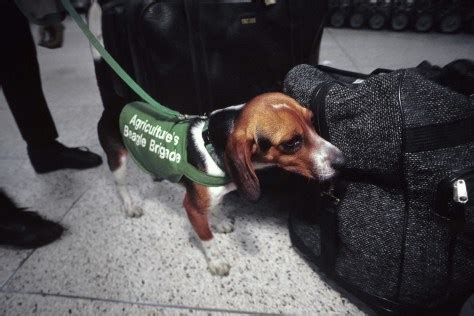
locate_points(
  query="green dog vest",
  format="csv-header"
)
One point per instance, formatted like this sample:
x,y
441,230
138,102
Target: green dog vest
x,y
158,144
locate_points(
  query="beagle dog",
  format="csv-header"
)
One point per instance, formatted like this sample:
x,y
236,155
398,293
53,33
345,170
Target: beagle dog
x,y
272,129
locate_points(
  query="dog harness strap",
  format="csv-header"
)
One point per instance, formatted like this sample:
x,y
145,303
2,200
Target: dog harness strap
x,y
166,112
210,149
200,177
206,137
159,147
197,175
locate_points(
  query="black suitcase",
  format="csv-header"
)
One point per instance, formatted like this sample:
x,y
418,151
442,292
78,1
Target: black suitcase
x,y
397,228
199,55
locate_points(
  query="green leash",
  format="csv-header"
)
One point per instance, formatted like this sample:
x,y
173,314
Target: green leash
x,y
155,151
116,67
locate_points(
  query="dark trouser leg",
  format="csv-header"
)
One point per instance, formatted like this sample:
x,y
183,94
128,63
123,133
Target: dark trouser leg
x,y
20,78
108,128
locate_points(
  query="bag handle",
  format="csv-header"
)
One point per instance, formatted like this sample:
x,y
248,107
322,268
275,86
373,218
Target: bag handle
x,y
167,113
328,223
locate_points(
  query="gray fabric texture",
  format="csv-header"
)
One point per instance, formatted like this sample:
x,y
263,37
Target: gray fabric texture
x,y
430,241
365,124
390,242
429,238
370,222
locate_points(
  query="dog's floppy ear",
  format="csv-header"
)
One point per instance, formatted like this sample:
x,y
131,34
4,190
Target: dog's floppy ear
x,y
238,154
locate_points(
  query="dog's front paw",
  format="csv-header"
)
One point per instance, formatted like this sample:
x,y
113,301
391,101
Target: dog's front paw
x,y
216,262
133,211
225,227
218,267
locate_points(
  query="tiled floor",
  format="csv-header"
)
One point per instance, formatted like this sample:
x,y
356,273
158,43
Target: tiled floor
x,y
107,264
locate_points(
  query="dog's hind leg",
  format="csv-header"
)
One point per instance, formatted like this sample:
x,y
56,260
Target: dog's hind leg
x,y
109,134
120,175
197,214
111,142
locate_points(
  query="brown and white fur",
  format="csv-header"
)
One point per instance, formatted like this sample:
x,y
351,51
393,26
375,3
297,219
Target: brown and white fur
x,y
272,129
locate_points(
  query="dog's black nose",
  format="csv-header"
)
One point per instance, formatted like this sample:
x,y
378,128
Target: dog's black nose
x,y
337,160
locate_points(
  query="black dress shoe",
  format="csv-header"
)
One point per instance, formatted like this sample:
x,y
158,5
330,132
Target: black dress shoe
x,y
25,229
56,156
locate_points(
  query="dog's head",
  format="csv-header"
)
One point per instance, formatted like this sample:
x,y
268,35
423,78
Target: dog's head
x,y
274,128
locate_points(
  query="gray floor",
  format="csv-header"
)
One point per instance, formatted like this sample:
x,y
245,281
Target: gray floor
x,y
107,264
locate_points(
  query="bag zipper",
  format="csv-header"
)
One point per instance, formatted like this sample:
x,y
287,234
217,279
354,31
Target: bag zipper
x,y
455,189
460,194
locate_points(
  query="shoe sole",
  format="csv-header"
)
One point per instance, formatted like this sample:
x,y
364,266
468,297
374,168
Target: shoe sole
x,y
50,167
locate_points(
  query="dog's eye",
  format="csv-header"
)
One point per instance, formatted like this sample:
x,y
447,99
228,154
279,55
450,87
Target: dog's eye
x,y
293,144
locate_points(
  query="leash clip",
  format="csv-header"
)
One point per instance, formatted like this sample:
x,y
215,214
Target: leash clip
x,y
334,199
185,117
328,192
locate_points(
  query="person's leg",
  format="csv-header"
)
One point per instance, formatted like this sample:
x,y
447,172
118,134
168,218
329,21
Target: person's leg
x,y
21,83
20,78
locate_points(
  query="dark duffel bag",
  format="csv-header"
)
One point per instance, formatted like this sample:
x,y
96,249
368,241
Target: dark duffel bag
x,y
198,55
397,227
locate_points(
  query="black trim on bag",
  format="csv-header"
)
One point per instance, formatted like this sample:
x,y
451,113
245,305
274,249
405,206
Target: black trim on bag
x,y
406,199
380,71
345,73
318,103
328,225
329,200
350,74
439,136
